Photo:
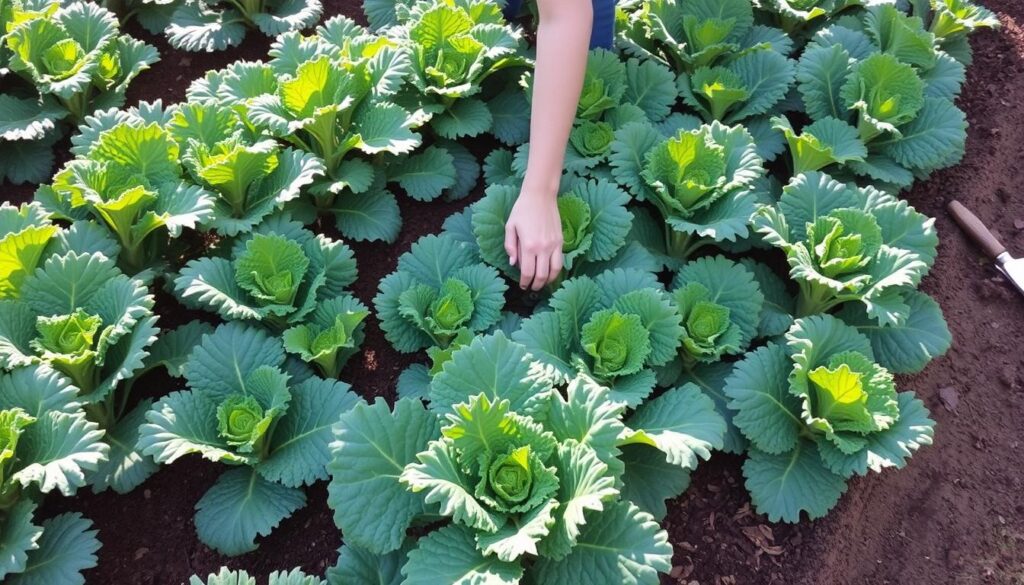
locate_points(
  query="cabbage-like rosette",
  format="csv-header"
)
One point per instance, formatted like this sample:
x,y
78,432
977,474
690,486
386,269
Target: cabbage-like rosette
x,y
331,334
342,106
267,416
130,180
47,446
849,244
592,139
517,490
250,178
826,142
528,475
889,77
885,93
614,327
819,410
60,64
720,302
448,71
593,214
439,288
795,15
217,26
80,315
703,181
751,84
276,275
690,35
953,20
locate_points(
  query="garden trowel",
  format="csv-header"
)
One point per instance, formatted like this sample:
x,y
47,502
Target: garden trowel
x,y
1013,268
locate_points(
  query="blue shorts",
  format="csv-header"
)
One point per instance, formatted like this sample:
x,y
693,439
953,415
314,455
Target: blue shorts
x,y
602,36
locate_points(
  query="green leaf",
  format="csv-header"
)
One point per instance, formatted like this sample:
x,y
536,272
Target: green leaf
x,y
466,117
67,547
440,474
183,423
20,254
585,483
489,216
414,382
197,28
467,170
618,343
240,507
542,335
372,447
385,127
907,347
932,140
590,418
779,304
450,555
497,367
682,423
758,391
730,285
38,389
623,541
820,75
173,348
786,484
425,175
628,154
57,451
825,142
125,468
651,86
19,538
885,449
27,161
358,565
218,367
28,119
225,577
520,536
767,75
609,222
510,114
885,92
650,480
901,35
368,216
291,15
300,448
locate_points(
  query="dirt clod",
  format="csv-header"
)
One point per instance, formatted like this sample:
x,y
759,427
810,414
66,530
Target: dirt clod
x,y
950,398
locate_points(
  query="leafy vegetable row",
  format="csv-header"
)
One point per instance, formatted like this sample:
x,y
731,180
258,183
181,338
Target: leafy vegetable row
x,y
59,62
526,447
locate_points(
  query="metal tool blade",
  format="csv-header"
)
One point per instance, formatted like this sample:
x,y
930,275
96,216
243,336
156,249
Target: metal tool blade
x,y
1013,268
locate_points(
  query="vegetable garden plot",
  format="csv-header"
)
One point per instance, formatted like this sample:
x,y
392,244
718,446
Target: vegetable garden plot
x,y
658,219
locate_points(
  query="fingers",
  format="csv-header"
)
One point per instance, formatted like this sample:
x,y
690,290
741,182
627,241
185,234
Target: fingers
x,y
511,243
540,277
556,264
527,268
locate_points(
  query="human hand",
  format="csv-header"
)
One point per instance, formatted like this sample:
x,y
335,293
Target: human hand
x,y
533,238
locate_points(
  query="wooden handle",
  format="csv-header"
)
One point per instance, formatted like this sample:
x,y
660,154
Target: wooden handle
x,y
975,229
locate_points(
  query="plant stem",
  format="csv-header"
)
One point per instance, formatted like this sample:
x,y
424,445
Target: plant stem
x,y
815,300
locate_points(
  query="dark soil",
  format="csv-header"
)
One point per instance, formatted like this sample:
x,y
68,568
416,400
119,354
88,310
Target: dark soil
x,y
953,516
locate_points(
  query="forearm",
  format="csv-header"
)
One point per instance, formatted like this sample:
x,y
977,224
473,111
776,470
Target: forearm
x,y
563,38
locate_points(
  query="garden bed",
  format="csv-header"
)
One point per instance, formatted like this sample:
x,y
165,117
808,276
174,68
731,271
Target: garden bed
x,y
954,515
